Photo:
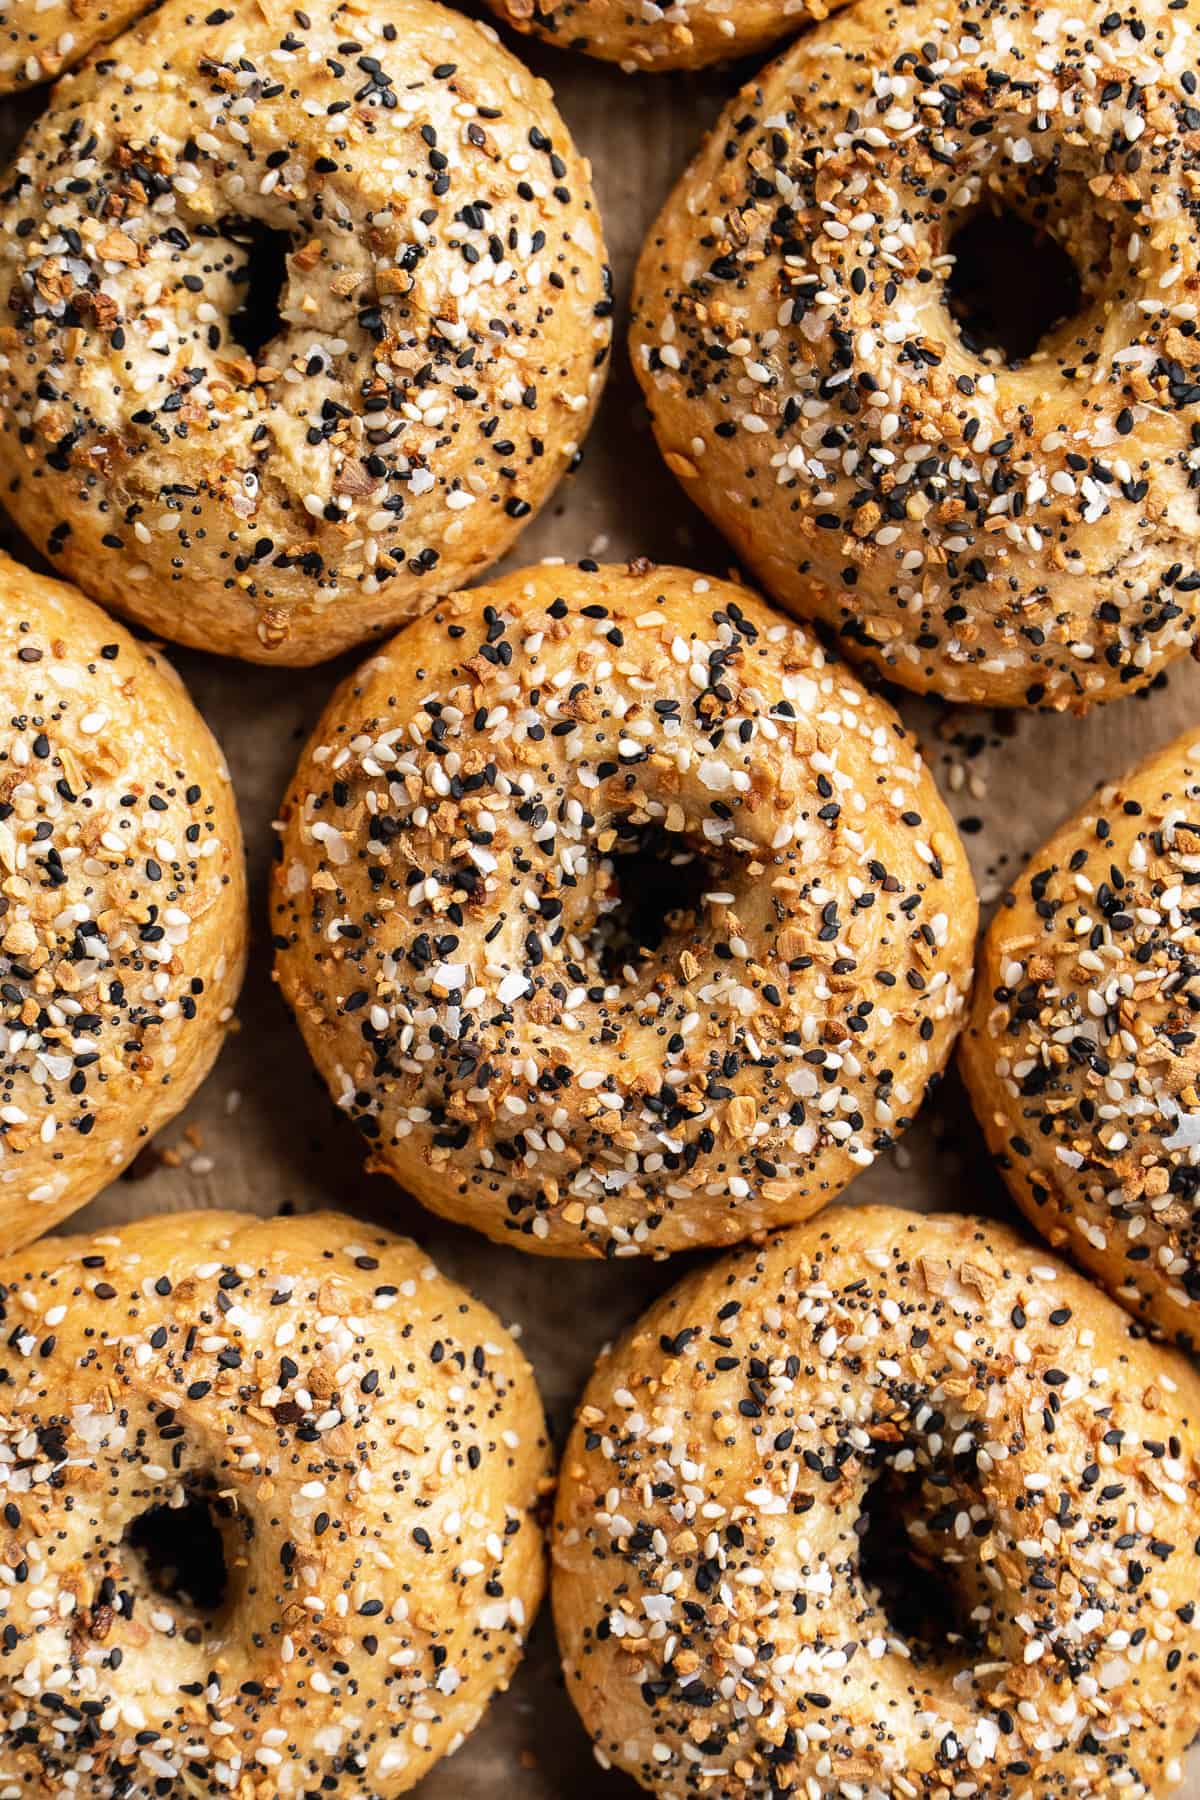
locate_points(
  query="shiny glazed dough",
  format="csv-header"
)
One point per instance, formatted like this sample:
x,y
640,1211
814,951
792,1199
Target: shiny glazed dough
x,y
930,1402
1014,535
442,331
478,818
364,1440
123,918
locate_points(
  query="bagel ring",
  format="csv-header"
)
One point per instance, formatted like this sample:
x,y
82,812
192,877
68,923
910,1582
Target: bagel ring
x,y
426,373
894,1505
123,915
683,34
1002,532
477,978
268,1488
41,38
1081,1053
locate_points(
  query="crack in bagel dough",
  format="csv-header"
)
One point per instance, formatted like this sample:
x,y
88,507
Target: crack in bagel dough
x,y
1081,1052
123,913
465,955
1021,535
41,38
683,34
721,1631
370,1445
444,321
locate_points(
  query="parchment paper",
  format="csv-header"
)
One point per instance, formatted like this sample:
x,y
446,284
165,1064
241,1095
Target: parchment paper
x,y
262,1134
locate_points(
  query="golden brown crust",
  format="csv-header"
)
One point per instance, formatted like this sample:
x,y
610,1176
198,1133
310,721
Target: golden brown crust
x,y
369,1444
39,41
123,918
468,971
1024,534
721,1621
1081,1056
684,34
444,320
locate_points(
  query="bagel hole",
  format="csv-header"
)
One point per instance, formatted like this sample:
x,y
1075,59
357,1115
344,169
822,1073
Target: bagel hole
x,y
180,1551
1011,284
262,278
917,1589
658,884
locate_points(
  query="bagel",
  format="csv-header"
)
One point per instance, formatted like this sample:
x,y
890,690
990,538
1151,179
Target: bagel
x,y
641,34
41,38
123,917
266,1497
892,1506
443,320
1012,529
478,981
1081,1057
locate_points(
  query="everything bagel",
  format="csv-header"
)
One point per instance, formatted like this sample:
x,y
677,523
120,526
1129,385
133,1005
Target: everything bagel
x,y
894,1505
426,374
1019,529
642,35
617,916
123,919
40,38
266,1511
1080,1057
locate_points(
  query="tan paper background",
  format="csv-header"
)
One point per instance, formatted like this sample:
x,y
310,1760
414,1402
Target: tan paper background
x,y
262,1133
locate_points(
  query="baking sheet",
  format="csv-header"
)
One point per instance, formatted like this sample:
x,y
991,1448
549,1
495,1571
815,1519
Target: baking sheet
x,y
262,1134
